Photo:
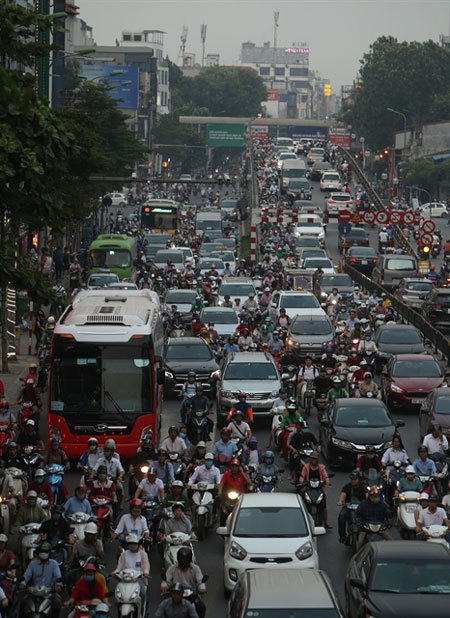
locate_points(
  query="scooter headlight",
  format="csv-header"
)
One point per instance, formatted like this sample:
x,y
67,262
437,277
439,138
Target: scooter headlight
x,y
119,595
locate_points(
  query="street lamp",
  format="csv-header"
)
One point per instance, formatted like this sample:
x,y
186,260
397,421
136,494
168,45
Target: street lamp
x,y
394,111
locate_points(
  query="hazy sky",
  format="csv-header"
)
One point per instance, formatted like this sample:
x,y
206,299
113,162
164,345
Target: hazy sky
x,y
338,32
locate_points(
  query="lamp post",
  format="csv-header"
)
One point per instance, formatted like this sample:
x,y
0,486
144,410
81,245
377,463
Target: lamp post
x,y
394,111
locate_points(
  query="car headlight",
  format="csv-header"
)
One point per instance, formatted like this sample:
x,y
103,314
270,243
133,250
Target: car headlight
x,y
387,445
273,394
321,234
323,295
305,551
396,389
215,375
168,374
220,303
227,394
342,443
237,551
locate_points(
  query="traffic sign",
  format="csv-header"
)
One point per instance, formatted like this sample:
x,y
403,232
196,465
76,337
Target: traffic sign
x,y
396,217
356,218
344,227
408,217
426,239
344,215
369,216
382,216
428,226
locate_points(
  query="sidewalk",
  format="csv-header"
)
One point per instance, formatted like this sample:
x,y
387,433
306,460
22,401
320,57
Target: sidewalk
x,y
17,368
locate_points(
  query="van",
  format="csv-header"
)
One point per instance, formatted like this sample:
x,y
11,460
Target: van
x,y
274,592
392,268
292,170
208,222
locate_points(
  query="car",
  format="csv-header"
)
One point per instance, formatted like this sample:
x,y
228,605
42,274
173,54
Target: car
x,y
327,283
155,242
349,425
391,269
392,339
188,255
306,241
184,354
308,334
235,287
430,210
331,181
227,257
162,256
299,188
285,156
224,243
307,252
229,204
355,237
254,373
312,264
296,303
339,201
435,409
183,299
398,578
274,593
409,378
118,200
122,285
315,155
436,307
268,531
412,291
308,209
362,259
206,263
103,278
310,225
225,319
318,168
185,177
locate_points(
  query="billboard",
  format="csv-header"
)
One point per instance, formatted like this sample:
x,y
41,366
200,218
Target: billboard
x,y
225,135
272,94
261,131
308,131
101,74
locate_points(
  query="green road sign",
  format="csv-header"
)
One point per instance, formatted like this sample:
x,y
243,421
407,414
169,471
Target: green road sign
x,y
225,135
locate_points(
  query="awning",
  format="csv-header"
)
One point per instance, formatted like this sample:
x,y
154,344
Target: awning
x,y
440,157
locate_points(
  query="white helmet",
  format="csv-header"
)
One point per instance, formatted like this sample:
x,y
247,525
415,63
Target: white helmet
x,y
410,470
110,444
132,538
91,528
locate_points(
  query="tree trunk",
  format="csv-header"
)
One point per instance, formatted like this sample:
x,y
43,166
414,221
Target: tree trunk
x,y
4,332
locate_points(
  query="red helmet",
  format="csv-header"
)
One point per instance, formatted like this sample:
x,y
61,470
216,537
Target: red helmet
x,y
81,486
235,462
136,502
374,491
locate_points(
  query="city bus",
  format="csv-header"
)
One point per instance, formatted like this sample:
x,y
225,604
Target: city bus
x,y
160,216
105,370
116,252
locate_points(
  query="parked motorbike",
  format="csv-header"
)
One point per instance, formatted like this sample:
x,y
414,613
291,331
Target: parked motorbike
x,y
202,508
408,502
128,594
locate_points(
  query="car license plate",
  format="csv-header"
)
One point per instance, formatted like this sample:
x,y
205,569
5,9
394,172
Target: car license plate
x,y
363,261
417,401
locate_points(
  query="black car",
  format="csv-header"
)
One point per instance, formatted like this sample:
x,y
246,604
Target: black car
x,y
355,237
392,339
363,259
350,424
435,409
436,308
399,579
183,354
299,189
327,283
318,168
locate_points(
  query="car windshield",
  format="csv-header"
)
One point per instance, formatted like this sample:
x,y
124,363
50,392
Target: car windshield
x,y
396,264
225,256
299,184
302,224
292,612
250,371
416,369
236,289
443,299
311,327
157,239
331,177
218,264
402,335
364,415
165,256
313,253
419,286
317,151
362,252
102,280
176,296
294,172
302,301
340,198
321,166
270,522
414,576
315,262
188,351
442,404
219,317
307,242
339,281
111,258
357,234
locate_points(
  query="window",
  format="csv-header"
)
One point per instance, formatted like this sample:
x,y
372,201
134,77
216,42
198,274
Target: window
x,y
364,416
250,371
264,70
279,70
396,264
137,37
416,369
127,37
311,327
298,71
266,522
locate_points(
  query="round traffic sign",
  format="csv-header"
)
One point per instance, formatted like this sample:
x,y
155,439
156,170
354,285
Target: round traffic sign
x,y
408,217
369,216
396,217
426,239
382,216
428,226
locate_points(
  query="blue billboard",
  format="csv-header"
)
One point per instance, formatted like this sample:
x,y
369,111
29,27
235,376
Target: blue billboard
x,y
113,77
310,132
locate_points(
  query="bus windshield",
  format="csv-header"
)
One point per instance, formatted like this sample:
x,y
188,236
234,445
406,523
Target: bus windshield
x,y
110,258
160,217
87,380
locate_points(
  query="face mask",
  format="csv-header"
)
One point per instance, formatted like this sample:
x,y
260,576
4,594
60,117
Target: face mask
x,y
107,453
43,555
92,448
253,446
39,480
133,547
89,578
208,464
182,434
269,462
102,477
31,502
275,338
80,496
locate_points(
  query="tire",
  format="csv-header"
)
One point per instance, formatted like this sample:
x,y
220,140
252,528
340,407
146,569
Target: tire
x,y
308,407
201,528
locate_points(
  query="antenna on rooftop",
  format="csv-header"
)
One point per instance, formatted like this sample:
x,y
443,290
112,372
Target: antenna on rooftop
x,y
203,37
183,39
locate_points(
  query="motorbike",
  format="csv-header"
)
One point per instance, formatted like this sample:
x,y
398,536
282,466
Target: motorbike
x,y
441,478
5,522
265,484
309,396
30,534
54,474
202,508
36,603
370,359
395,473
78,521
198,426
435,250
436,534
172,543
372,478
289,379
351,528
313,495
228,502
150,510
31,458
28,412
128,594
178,465
6,435
373,531
20,481
408,502
101,507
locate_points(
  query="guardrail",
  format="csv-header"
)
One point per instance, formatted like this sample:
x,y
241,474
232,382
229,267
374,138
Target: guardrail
x,y
437,340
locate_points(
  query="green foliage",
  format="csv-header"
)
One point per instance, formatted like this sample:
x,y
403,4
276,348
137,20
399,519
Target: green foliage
x,y
424,173
169,131
410,77
19,272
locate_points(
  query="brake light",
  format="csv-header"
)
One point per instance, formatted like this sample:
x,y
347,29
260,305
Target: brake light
x,y
375,260
331,202
352,260
437,305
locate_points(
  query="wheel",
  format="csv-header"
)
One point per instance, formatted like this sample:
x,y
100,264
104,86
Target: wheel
x,y
308,407
201,528
444,215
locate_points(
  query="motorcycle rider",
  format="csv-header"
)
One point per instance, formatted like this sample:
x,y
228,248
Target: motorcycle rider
x,y
103,486
11,458
367,346
298,440
189,575
433,515
382,239
7,490
87,588
369,460
176,495
372,510
241,406
328,359
230,346
90,457
224,448
197,404
250,304
207,473
234,479
135,557
132,523
41,486
305,373
151,487
113,466
267,467
276,345
245,340
423,465
178,523
55,455
79,502
56,527
265,299
355,491
410,482
176,606
368,385
283,320
322,383
145,455
435,441
338,391
252,455
29,436
173,443
164,468
239,428
43,571
313,470
29,512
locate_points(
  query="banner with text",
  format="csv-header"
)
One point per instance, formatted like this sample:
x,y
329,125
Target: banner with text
x,y
225,135
308,131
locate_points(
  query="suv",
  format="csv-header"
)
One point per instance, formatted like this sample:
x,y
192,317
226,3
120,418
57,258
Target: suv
x,y
308,334
183,354
392,268
256,374
436,308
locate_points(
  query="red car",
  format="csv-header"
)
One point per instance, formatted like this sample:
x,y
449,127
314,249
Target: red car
x,y
409,378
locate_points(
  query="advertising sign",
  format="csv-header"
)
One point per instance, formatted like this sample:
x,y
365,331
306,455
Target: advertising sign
x,y
311,132
225,135
272,95
259,131
340,140
126,95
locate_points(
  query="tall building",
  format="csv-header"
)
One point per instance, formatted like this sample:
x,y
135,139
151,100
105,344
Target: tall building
x,y
444,40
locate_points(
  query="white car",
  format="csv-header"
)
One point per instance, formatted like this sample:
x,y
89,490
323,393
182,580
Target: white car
x,y
118,200
235,287
295,303
268,531
206,263
225,319
311,264
310,225
337,201
315,154
102,279
285,156
331,181
434,209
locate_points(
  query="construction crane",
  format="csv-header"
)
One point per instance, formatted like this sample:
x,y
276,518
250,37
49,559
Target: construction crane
x,y
183,39
203,38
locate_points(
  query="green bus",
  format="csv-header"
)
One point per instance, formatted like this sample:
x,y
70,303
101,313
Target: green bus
x,y
115,252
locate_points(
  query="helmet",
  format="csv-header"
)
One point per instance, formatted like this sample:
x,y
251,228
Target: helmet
x,y
89,567
58,508
177,483
235,462
132,538
54,442
269,454
175,588
136,502
337,380
91,528
314,455
177,505
39,472
31,494
410,470
242,394
433,498
253,439
422,448
32,366
3,538
92,441
191,374
209,456
173,428
152,470
184,556
424,496
51,321
81,486
102,608
44,546
225,430
110,444
291,405
436,427
102,470
355,474
374,491
370,448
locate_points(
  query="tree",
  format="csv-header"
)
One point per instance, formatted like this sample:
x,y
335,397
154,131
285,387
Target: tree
x,y
424,173
189,146
410,77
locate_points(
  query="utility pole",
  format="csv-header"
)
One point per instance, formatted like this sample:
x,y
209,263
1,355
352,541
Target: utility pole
x,y
203,37
276,16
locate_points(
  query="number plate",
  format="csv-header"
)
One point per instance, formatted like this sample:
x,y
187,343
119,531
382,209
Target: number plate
x,y
417,401
363,261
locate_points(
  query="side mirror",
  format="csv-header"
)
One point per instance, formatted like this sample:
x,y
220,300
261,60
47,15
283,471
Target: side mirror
x,y
319,531
160,376
357,583
222,530
397,424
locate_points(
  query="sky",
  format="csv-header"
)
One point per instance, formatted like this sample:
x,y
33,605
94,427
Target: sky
x,y
338,32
